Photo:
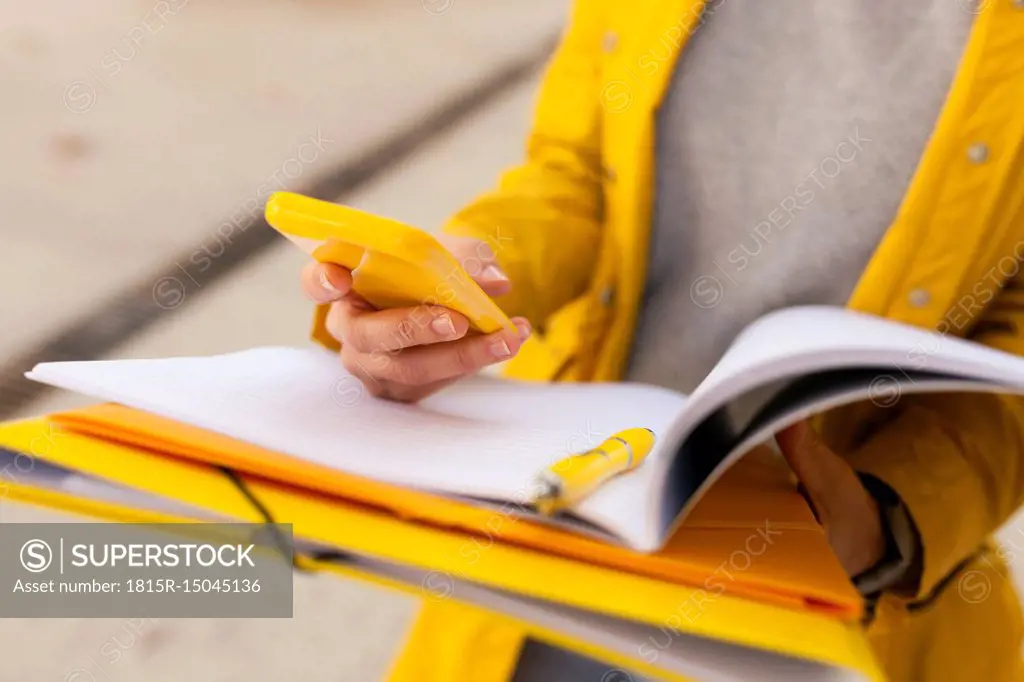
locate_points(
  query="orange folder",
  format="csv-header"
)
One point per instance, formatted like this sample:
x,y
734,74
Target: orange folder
x,y
752,532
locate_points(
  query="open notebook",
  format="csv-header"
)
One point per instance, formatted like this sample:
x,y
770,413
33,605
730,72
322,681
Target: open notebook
x,y
482,440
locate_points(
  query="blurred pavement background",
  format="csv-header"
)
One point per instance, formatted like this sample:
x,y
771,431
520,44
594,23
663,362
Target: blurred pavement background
x,y
139,128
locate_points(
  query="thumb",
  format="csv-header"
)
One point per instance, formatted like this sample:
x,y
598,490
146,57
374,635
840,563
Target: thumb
x,y
827,478
479,261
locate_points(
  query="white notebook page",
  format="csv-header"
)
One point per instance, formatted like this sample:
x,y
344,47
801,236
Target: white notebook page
x,y
796,341
804,340
482,437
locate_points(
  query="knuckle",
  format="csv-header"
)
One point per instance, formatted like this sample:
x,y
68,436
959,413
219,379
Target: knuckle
x,y
355,333
407,373
380,360
464,359
405,330
350,361
336,321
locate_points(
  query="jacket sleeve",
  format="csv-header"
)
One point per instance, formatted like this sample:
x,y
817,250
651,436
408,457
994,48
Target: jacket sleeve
x,y
543,217
956,460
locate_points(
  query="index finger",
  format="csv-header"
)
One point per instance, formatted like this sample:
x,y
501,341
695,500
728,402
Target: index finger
x,y
387,330
480,262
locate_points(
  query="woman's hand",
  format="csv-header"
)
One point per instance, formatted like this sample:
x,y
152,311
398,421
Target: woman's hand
x,y
848,512
405,354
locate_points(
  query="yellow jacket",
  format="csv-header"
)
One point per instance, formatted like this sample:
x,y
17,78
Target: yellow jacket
x,y
571,227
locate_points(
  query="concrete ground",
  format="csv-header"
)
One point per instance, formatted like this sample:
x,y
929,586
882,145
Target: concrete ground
x,y
117,172
132,128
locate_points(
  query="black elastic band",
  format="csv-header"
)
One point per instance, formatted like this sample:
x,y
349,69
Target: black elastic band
x,y
282,543
925,602
940,587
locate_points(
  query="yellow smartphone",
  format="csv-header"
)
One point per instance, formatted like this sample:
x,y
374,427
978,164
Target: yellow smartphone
x,y
393,265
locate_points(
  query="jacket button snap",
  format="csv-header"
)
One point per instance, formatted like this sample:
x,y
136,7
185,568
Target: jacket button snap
x,y
978,153
609,174
607,296
611,39
919,298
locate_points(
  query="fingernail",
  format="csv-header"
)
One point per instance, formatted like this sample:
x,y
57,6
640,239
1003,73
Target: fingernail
x,y
500,349
443,325
524,329
326,283
492,273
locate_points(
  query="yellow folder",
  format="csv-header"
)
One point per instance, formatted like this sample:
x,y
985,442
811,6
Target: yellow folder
x,y
754,509
757,602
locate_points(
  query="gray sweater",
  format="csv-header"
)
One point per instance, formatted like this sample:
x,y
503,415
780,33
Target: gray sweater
x,y
788,138
786,142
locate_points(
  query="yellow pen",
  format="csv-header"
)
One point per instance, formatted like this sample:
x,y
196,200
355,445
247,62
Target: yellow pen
x,y
570,480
